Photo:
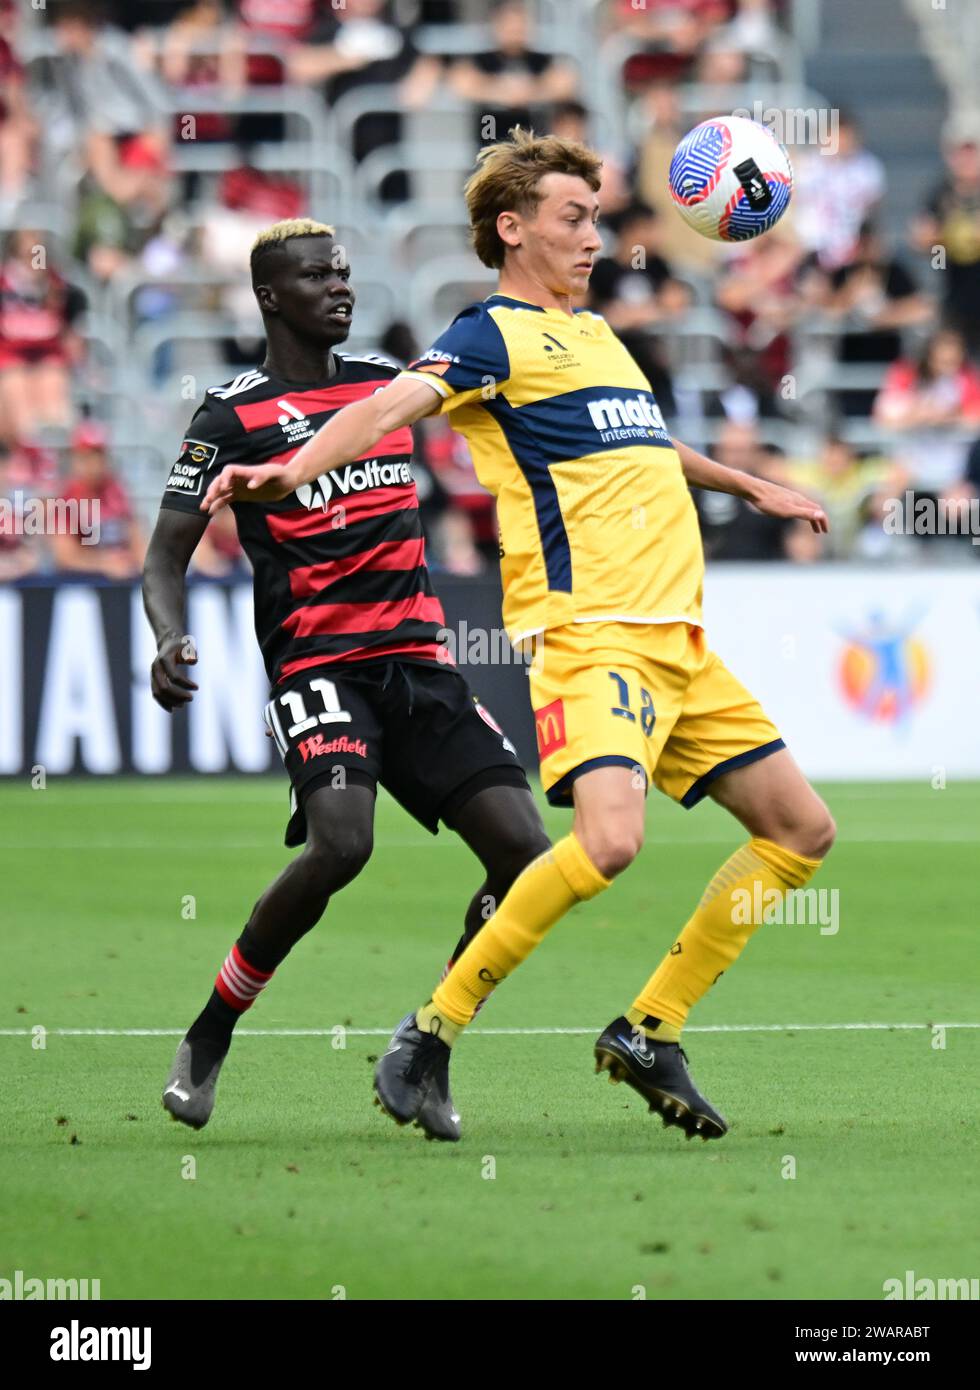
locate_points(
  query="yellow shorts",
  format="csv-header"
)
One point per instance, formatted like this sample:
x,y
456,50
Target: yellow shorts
x,y
649,696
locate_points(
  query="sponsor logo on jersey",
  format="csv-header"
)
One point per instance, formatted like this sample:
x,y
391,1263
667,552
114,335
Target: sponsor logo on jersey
x,y
187,473
488,718
316,745
627,417
434,362
295,425
549,725
353,477
559,355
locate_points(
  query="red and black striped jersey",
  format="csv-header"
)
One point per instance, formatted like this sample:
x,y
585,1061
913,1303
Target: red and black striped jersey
x,y
339,564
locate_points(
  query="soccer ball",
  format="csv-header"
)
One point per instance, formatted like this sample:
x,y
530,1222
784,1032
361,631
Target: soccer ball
x,y
730,179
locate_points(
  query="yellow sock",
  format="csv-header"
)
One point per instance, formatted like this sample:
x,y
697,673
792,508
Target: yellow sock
x,y
544,892
715,935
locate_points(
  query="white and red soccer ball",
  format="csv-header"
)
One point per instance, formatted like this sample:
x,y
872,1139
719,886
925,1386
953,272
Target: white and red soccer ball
x,y
730,179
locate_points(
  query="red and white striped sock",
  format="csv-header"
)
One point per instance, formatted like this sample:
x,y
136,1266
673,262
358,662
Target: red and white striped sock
x,y
239,983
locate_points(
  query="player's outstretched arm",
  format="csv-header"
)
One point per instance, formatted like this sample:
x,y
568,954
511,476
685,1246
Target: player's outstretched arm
x,y
174,540
347,435
771,498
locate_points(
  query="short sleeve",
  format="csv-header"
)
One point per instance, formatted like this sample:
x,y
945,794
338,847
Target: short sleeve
x,y
211,441
465,360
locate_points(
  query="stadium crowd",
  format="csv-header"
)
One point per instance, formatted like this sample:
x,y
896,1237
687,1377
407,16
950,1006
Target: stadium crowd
x,y
99,100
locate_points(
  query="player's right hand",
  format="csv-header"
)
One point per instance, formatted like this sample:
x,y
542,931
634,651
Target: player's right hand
x,y
170,687
235,483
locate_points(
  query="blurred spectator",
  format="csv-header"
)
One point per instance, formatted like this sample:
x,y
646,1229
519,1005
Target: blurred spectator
x,y
634,290
37,345
20,555
731,528
458,515
110,233
269,33
117,551
219,554
18,131
89,93
570,121
248,200
728,53
203,25
674,31
843,484
93,99
456,544
399,342
759,290
927,402
972,474
876,542
665,129
950,223
873,297
357,45
471,534
512,83
835,191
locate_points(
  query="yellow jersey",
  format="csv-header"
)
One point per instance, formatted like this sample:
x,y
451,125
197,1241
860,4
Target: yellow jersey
x,y
596,521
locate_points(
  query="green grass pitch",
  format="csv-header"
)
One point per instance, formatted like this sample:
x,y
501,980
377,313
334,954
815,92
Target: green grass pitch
x,y
563,1186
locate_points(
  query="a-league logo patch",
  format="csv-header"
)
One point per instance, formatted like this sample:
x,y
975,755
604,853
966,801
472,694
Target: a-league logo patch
x,y
549,725
193,461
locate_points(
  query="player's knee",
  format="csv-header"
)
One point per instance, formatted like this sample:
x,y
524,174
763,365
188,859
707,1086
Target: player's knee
x,y
613,848
338,858
516,848
810,835
820,835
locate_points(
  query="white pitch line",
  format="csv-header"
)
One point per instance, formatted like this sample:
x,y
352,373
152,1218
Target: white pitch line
x,y
46,845
479,1032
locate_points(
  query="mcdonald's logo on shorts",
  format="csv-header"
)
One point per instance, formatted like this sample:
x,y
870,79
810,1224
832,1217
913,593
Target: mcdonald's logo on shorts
x,y
549,724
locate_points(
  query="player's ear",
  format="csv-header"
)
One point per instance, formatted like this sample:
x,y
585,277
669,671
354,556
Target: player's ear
x,y
509,229
266,297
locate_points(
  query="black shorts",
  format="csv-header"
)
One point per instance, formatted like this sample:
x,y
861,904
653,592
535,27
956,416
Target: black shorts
x,y
417,729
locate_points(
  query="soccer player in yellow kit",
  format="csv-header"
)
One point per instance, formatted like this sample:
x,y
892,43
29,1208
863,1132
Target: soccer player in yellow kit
x,y
602,569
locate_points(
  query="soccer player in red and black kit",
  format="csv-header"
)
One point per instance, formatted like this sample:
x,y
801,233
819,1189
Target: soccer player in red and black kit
x,y
348,625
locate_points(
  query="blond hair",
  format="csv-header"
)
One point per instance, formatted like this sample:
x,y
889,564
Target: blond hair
x,y
507,178
290,227
274,237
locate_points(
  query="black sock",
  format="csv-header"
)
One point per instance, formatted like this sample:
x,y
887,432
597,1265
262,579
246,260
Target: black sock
x,y
214,1025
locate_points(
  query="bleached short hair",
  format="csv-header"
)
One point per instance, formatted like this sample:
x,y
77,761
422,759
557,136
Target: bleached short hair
x,y
274,237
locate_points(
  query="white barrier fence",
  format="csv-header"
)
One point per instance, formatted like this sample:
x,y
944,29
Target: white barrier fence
x,y
869,673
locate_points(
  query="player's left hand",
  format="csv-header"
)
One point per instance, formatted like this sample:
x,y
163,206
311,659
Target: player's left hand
x,y
775,500
235,483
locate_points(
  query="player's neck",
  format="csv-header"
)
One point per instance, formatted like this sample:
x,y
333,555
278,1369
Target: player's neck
x,y
299,362
522,287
